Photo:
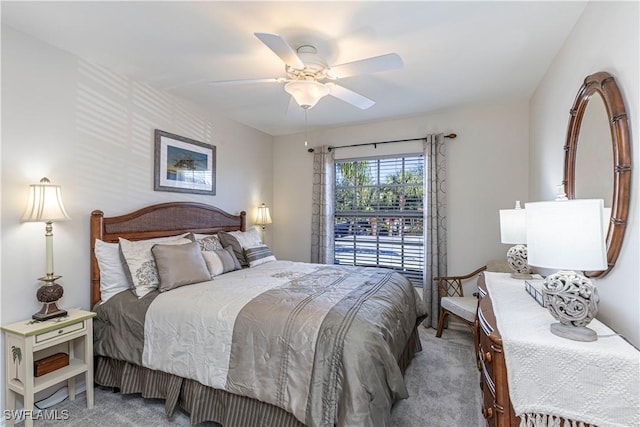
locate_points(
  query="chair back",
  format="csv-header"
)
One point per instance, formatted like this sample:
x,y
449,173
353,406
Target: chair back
x,y
451,286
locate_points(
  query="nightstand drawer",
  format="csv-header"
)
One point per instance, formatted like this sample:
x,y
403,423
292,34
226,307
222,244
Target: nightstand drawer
x,y
46,336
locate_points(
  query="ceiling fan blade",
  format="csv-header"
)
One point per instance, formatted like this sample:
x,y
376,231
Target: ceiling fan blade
x,y
247,81
349,96
390,61
281,48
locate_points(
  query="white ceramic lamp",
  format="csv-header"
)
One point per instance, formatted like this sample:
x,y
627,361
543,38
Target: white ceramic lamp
x,y
513,230
568,235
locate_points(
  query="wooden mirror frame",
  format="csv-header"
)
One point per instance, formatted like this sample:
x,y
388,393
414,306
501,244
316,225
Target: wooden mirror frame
x,y
605,85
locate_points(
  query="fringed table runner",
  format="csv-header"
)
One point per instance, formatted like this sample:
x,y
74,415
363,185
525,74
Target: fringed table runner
x,y
553,378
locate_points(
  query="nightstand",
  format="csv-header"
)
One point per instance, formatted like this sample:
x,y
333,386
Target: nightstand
x,y
28,341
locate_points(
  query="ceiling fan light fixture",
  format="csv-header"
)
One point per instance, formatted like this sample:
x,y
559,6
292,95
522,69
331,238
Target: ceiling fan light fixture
x,y
307,93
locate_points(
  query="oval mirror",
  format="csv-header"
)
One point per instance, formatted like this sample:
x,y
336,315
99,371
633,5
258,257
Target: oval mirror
x,y
594,156
598,156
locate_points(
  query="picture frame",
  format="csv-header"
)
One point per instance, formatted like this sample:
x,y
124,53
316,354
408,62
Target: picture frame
x,y
183,165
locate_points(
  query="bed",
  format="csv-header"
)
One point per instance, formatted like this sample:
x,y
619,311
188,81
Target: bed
x,y
278,343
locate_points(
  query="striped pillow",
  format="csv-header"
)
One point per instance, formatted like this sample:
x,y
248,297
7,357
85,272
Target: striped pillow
x,y
259,254
221,261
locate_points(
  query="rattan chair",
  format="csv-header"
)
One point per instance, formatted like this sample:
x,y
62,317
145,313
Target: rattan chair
x,y
453,302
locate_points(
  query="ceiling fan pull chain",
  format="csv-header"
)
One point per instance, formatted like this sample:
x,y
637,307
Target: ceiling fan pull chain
x,y
305,127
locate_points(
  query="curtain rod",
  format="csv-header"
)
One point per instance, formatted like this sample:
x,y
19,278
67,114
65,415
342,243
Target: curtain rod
x,y
375,144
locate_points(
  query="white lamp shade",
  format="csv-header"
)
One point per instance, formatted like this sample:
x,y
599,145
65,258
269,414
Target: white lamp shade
x,y
307,93
566,235
263,217
513,226
45,203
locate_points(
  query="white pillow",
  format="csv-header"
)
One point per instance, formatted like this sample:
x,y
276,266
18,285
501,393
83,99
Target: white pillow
x,y
113,278
141,264
247,239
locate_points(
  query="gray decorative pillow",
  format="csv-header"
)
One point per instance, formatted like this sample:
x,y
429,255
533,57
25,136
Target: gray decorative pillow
x,y
140,265
221,261
179,265
239,241
258,255
210,243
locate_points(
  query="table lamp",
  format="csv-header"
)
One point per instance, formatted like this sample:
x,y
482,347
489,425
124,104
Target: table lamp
x,y
513,230
45,205
263,217
568,235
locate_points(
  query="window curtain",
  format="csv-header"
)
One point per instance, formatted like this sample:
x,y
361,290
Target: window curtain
x,y
322,206
435,221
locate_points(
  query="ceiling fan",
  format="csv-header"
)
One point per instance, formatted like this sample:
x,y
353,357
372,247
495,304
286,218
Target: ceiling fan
x,y
309,77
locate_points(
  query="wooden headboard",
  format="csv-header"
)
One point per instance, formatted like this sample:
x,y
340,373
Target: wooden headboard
x,y
163,220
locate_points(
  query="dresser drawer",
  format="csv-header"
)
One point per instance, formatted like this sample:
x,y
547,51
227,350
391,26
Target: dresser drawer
x,y
55,333
488,396
496,406
485,352
487,379
486,355
488,411
485,326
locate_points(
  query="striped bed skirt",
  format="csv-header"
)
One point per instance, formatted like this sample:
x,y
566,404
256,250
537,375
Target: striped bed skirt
x,y
204,403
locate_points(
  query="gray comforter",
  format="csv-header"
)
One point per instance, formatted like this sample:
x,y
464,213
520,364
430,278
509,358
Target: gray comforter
x,y
323,343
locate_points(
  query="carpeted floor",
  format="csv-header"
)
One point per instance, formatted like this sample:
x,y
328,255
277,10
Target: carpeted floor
x,y
442,382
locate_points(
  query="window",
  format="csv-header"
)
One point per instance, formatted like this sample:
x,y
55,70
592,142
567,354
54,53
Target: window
x,y
378,217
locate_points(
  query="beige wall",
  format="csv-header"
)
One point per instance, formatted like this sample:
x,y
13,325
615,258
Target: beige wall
x,y
91,131
606,38
487,171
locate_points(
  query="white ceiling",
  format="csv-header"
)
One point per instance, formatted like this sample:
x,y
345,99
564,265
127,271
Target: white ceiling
x,y
455,53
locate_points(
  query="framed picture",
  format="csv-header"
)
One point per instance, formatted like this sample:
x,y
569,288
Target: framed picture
x,y
184,165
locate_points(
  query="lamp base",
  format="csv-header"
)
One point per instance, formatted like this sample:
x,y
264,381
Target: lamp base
x,y
575,333
573,300
49,294
517,260
49,311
